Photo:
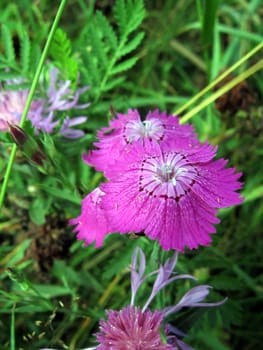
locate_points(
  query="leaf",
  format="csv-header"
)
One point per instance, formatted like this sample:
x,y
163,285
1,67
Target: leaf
x,y
135,12
61,52
120,14
37,211
104,48
8,44
209,19
35,56
107,30
132,45
4,75
124,65
15,255
25,53
98,46
61,46
62,194
52,291
90,67
113,83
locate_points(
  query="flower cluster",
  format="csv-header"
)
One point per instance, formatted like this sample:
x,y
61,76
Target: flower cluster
x,y
140,328
160,181
42,113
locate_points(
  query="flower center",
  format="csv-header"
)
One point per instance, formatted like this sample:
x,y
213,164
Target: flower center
x,y
167,173
170,176
135,130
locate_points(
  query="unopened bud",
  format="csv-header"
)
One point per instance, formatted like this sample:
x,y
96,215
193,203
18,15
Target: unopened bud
x,y
27,144
18,134
38,157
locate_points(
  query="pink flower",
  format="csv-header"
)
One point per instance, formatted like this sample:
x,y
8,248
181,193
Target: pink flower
x,y
170,194
161,181
115,140
92,224
130,329
12,104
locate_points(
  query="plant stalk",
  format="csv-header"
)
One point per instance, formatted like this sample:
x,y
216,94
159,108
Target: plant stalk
x,y
30,97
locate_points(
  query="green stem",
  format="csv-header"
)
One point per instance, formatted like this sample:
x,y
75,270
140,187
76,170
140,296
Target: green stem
x,y
221,77
30,97
12,330
223,90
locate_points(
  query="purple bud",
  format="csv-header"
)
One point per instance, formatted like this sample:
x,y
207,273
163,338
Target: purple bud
x,y
18,134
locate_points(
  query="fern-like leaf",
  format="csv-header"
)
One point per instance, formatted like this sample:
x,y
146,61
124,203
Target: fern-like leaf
x,y
25,53
123,66
35,56
98,46
61,52
8,45
120,15
107,30
129,15
60,46
90,69
7,75
106,47
113,83
135,9
21,64
132,44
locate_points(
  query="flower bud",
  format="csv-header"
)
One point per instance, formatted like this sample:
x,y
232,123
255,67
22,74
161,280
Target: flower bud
x,y
27,144
17,134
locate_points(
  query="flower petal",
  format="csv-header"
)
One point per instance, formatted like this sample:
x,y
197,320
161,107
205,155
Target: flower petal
x,y
92,224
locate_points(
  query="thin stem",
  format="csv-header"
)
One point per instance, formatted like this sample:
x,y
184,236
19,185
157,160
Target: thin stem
x,y
30,97
221,77
223,90
12,330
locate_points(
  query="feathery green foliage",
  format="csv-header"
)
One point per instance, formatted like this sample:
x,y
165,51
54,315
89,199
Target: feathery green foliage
x,y
8,46
20,56
61,52
105,55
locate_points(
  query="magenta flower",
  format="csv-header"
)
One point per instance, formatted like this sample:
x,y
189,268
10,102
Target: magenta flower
x,y
170,194
140,328
161,181
115,140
